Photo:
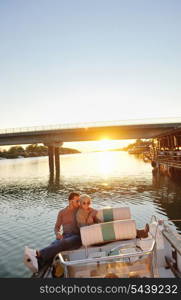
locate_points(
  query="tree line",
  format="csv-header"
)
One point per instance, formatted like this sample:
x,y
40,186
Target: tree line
x,y
139,142
32,151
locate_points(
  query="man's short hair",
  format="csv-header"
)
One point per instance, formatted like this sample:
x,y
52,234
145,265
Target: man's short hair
x,y
72,195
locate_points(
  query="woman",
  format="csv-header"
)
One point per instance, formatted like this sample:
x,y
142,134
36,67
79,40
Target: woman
x,y
86,215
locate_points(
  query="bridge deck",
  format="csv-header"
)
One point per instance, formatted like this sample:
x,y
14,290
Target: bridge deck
x,y
130,129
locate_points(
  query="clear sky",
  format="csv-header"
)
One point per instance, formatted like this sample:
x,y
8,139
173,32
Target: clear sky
x,y
68,61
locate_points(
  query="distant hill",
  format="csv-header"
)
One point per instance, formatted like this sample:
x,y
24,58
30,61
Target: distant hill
x,y
68,151
116,149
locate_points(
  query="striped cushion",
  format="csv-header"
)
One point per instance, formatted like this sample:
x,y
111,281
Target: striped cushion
x,y
107,232
112,214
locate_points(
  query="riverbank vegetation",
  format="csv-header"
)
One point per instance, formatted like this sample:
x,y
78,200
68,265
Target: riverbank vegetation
x,y
138,143
32,151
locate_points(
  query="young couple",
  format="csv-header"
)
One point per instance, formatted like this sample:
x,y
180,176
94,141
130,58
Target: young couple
x,y
78,213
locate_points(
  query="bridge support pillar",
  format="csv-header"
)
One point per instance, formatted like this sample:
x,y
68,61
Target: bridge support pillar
x,y
51,151
54,158
57,162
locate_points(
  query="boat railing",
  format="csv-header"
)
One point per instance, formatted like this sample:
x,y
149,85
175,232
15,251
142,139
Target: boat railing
x,y
121,256
153,218
158,222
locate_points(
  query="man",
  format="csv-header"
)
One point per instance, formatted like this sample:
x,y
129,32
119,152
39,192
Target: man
x,y
35,259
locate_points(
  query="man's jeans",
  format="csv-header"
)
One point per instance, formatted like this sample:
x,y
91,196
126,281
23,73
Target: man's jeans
x,y
69,242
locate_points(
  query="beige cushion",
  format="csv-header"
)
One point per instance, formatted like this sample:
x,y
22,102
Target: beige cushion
x,y
113,214
107,232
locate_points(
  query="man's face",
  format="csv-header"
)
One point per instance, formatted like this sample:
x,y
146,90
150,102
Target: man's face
x,y
75,202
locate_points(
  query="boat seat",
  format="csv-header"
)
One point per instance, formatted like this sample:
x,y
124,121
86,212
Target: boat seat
x,y
108,232
139,266
113,214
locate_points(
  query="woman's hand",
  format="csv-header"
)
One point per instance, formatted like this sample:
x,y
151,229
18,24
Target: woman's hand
x,y
90,220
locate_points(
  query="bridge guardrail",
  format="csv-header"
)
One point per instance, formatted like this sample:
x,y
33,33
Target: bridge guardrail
x,y
91,124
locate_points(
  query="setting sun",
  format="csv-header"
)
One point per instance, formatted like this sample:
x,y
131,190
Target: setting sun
x,y
105,144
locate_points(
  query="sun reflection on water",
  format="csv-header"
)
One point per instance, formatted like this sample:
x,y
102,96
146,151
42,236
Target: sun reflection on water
x,y
110,163
106,163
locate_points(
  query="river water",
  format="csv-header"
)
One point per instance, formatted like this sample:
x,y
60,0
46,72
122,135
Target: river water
x,y
29,202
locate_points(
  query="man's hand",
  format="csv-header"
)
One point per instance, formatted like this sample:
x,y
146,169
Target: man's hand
x,y
59,236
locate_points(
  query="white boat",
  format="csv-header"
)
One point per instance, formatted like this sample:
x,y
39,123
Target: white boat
x,y
156,256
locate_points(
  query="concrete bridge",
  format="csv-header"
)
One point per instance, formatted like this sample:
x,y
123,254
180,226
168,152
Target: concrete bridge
x,y
131,129
54,136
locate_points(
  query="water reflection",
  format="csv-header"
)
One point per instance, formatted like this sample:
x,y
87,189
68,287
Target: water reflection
x,y
168,197
54,182
30,199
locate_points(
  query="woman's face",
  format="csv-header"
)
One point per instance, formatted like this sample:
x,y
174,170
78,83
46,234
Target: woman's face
x,y
85,204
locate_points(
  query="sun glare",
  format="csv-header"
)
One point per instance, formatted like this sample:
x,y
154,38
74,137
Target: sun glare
x,y
105,144
106,163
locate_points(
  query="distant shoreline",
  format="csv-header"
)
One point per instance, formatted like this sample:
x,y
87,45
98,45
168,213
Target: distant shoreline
x,y
32,151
